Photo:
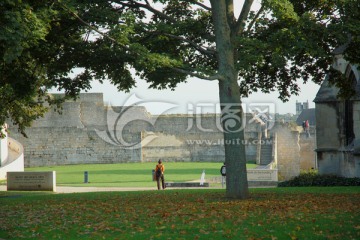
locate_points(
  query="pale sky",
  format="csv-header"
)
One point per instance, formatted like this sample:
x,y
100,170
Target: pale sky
x,y
196,94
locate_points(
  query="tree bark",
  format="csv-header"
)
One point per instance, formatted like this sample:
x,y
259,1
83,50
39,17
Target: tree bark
x,y
232,113
235,158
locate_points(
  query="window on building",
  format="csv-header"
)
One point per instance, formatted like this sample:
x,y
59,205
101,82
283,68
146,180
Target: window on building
x,y
349,110
349,122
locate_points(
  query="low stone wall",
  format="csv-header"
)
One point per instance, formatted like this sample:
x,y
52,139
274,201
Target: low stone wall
x,y
253,175
15,160
3,148
186,184
262,175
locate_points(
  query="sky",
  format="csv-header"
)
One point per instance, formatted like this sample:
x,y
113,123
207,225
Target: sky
x,y
195,96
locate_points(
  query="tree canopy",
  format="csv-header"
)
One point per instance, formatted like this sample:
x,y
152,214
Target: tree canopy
x,y
267,48
30,45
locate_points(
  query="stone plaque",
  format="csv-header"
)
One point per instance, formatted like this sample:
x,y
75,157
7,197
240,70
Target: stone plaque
x,y
31,181
262,175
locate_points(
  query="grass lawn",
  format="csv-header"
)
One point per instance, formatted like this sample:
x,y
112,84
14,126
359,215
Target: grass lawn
x,y
130,174
275,213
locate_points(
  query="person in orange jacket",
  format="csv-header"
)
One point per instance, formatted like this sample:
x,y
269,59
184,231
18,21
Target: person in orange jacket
x,y
159,174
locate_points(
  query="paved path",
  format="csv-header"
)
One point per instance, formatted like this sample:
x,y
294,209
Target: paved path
x,y
99,189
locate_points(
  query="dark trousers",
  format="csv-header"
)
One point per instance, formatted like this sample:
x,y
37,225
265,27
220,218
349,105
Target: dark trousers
x,y
162,179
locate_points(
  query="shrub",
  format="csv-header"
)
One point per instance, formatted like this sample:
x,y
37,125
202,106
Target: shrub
x,y
308,179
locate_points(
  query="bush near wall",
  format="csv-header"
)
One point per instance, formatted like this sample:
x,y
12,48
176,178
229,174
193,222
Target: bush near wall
x,y
308,179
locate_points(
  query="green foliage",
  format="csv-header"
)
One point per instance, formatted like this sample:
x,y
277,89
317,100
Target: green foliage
x,y
23,77
295,40
312,178
282,213
24,25
42,42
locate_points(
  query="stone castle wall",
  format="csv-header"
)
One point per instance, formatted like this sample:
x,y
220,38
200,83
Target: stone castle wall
x,y
89,132
69,145
196,138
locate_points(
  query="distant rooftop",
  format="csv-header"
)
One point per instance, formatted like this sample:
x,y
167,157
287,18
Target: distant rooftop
x,y
306,114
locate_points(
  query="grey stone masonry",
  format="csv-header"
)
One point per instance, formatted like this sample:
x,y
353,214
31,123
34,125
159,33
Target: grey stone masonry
x,y
87,131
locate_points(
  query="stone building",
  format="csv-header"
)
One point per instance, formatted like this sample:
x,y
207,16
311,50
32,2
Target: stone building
x,y
338,124
301,106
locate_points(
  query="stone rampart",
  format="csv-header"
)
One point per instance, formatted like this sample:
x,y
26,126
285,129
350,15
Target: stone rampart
x,y
88,132
70,145
288,151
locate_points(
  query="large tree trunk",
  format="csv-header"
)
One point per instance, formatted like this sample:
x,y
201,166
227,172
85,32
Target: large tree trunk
x,y
232,114
235,158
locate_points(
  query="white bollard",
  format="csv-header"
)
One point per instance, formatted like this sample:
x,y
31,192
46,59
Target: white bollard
x,y
202,179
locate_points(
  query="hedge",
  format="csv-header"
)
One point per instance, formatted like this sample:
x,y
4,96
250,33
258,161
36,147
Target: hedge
x,y
309,179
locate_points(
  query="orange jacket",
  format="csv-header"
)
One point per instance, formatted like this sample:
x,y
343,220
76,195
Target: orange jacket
x,y
161,166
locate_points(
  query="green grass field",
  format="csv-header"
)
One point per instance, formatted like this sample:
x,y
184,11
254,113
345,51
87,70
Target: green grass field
x,y
274,213
130,174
